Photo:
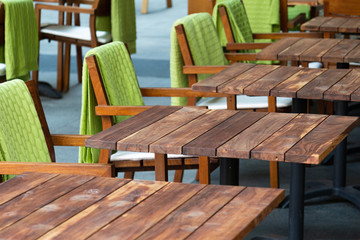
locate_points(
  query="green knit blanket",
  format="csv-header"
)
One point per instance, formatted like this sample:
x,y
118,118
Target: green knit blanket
x,y
121,86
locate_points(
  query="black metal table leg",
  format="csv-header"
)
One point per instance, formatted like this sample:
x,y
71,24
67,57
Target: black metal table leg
x,y
229,171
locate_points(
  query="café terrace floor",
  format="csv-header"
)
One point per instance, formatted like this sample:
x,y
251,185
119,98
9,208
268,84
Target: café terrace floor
x,y
324,218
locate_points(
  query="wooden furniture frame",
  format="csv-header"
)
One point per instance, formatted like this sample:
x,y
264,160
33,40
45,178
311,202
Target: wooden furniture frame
x,y
51,141
98,8
145,5
339,8
106,111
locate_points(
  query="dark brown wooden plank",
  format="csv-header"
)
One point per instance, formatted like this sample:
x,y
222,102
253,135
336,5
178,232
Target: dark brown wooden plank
x,y
37,197
289,87
140,141
316,88
316,51
194,213
247,210
174,142
151,210
338,53
241,145
58,211
24,183
275,147
314,147
271,52
295,50
314,24
350,26
206,144
238,83
343,89
95,217
353,55
263,86
332,25
355,96
211,83
108,138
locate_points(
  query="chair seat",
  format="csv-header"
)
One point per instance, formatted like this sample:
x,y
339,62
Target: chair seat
x,y
137,156
244,102
75,32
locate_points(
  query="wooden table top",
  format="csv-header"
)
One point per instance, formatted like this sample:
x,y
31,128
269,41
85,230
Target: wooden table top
x,y
301,138
332,24
285,81
312,50
44,206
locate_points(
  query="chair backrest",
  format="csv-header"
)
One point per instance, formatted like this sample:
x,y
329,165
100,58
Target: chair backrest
x,y
194,41
342,8
113,82
24,136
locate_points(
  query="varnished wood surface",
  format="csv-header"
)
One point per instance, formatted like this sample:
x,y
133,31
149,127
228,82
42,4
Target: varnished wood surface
x,y
47,206
229,134
283,81
333,24
312,3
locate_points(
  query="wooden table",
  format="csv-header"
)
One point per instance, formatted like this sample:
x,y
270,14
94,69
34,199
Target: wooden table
x,y
44,206
333,24
295,138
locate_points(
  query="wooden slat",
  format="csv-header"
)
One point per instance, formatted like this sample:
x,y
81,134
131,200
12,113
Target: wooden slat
x,y
263,86
338,53
176,140
295,50
253,203
53,213
275,147
353,55
332,25
111,136
350,26
210,85
206,144
316,88
194,212
95,217
289,87
140,141
314,24
237,84
26,204
271,52
355,96
316,51
241,145
344,88
314,147
154,208
28,181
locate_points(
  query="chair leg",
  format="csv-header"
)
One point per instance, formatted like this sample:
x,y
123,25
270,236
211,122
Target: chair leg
x,y
144,7
204,170
60,65
274,174
129,175
66,78
169,3
79,62
178,177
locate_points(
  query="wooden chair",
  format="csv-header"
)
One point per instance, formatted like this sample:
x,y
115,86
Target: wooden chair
x,y
28,156
131,162
337,8
68,34
145,5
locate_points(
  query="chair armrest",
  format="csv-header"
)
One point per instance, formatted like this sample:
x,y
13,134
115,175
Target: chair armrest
x,y
235,57
103,110
90,169
188,69
246,46
69,139
61,8
287,34
299,19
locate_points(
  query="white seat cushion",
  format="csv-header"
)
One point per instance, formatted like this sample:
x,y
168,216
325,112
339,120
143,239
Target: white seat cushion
x,y
2,69
243,102
81,33
136,156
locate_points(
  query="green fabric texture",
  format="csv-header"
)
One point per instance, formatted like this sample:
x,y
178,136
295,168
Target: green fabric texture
x,y
121,24
238,21
21,135
204,45
121,86
21,38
